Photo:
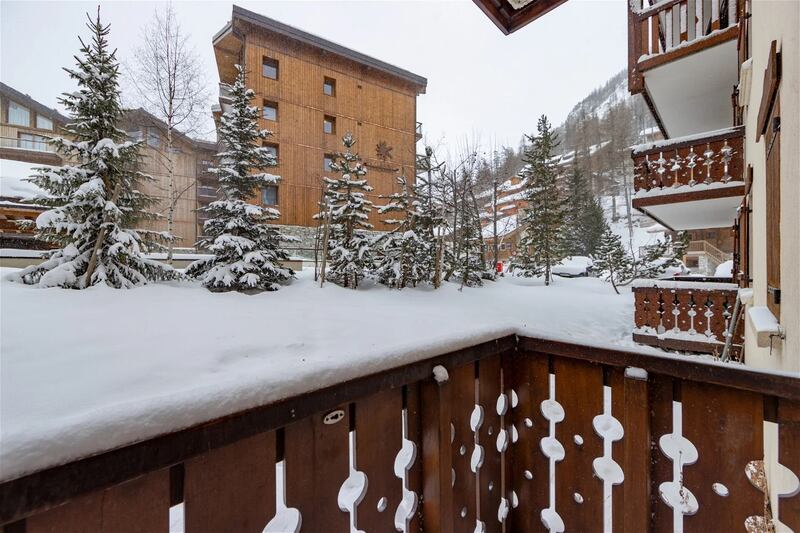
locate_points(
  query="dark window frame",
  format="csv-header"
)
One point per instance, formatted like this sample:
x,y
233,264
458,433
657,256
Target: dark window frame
x,y
328,119
269,104
264,190
329,82
272,63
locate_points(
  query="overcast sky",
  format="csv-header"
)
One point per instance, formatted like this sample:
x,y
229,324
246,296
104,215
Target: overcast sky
x,y
480,83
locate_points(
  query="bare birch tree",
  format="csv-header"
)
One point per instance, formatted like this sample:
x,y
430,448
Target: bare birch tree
x,y
169,80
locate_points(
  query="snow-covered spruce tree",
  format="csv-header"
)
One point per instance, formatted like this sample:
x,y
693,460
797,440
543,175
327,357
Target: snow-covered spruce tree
x,y
94,201
345,209
469,265
658,257
611,261
246,246
541,245
583,222
429,217
405,253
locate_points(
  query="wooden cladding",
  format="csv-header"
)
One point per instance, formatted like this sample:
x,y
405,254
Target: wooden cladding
x,y
317,97
686,318
772,143
714,159
673,29
622,437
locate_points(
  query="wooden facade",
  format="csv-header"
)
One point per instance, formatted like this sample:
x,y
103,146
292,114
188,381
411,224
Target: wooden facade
x,y
188,156
373,101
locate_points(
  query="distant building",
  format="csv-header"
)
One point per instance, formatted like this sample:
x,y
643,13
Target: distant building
x,y
312,91
27,127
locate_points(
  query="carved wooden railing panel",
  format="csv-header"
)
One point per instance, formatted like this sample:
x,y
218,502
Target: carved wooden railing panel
x,y
717,158
686,316
519,433
669,29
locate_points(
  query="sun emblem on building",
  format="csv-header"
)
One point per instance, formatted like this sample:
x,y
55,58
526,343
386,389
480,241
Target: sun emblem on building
x,y
383,150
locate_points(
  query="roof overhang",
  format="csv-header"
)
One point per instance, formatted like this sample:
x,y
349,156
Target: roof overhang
x,y
301,36
511,15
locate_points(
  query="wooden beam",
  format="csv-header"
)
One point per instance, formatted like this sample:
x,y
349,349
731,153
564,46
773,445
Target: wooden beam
x,y
690,196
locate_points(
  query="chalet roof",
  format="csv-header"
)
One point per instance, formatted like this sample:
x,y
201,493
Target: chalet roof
x,y
324,44
30,103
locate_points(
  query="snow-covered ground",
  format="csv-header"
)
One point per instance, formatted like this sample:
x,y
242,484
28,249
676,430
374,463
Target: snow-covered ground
x,y
87,371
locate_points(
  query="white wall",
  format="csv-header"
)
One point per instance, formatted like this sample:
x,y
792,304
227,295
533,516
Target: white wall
x,y
776,20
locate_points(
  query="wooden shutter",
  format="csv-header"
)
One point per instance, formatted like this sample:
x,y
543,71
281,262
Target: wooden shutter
x,y
769,125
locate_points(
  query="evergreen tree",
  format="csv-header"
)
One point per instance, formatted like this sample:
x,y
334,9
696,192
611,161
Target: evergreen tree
x,y
541,245
469,265
583,221
429,218
347,211
244,242
658,257
94,201
611,261
406,251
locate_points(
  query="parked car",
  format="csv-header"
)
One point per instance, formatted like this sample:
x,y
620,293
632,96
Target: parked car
x,y
577,266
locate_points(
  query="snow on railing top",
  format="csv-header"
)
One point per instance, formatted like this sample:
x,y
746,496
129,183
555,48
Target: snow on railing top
x,y
679,285
695,138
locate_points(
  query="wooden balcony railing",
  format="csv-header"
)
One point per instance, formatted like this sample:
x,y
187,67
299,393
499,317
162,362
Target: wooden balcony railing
x,y
669,29
714,158
687,316
513,432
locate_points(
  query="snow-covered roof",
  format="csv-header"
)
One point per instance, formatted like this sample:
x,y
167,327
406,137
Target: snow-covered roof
x,y
124,366
12,180
505,225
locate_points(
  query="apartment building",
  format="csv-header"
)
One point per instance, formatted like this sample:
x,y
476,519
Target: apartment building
x,y
311,92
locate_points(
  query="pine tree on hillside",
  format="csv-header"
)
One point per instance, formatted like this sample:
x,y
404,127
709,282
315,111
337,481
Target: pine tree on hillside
x,y
583,223
94,201
658,257
611,261
406,250
346,211
246,246
541,245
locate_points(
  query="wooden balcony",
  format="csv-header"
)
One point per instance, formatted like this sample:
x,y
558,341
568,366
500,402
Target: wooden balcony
x,y
704,173
682,57
479,445
687,316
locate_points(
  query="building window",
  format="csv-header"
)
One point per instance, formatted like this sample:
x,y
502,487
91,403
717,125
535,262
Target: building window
x,y
272,149
135,135
327,162
329,86
44,123
270,111
18,115
269,68
329,124
153,138
28,141
269,195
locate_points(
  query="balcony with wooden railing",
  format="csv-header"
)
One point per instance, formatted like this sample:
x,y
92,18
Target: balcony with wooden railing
x,y
699,168
661,34
503,436
688,316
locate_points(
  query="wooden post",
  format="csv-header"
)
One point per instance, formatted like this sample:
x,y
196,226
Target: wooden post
x,y
437,492
635,504
325,247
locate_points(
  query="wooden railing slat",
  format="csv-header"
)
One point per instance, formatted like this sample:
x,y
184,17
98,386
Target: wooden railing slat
x,y
631,499
579,390
788,456
316,463
414,421
379,437
726,428
437,459
138,505
231,489
490,488
462,398
660,395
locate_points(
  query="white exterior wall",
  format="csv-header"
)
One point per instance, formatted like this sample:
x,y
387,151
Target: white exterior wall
x,y
776,20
